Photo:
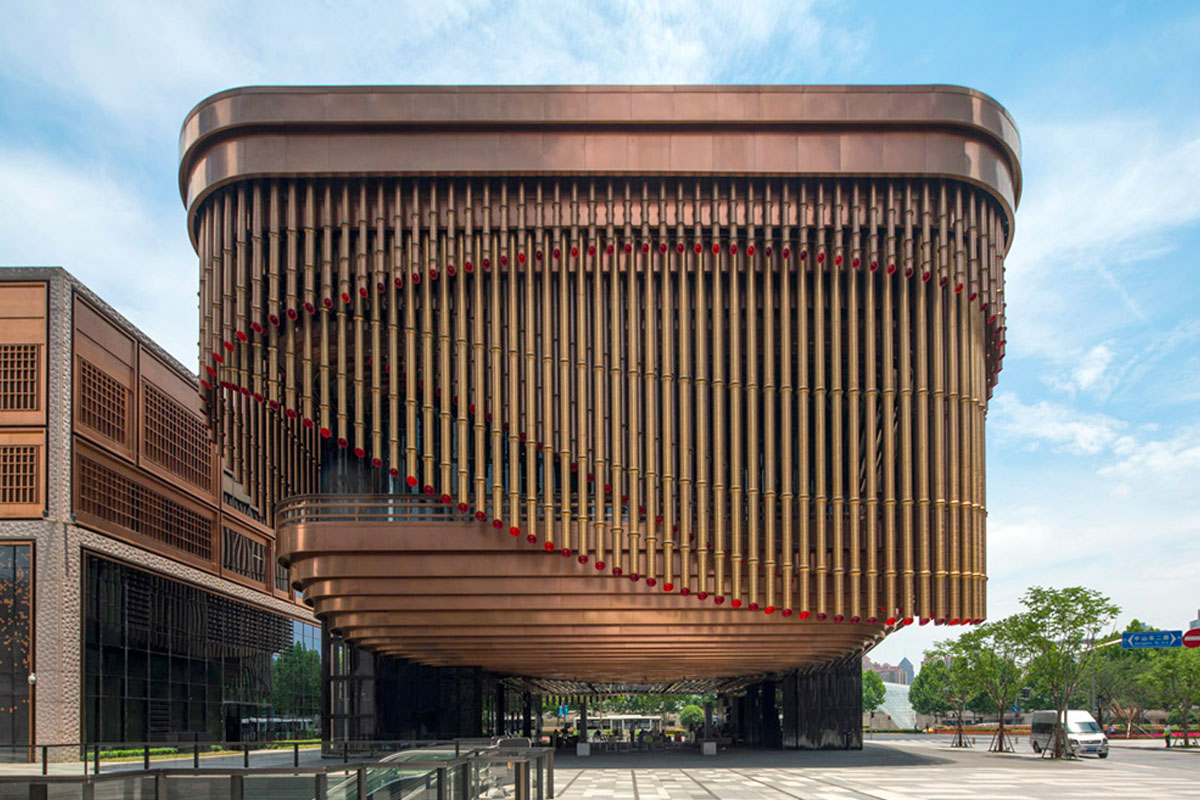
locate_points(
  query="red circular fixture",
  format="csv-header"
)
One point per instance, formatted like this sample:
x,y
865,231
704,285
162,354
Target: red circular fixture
x,y
487,263
716,248
645,247
462,507
362,291
433,273
610,249
908,272
497,524
908,620
821,616
557,254
736,603
345,297
520,258
804,614
749,249
395,473
803,255
787,612
891,269
633,576
479,515
548,547
273,319
662,247
719,600
701,595
628,248
582,559
257,326
838,618
429,490
787,252
468,266
531,538
685,591
618,571
697,248
733,248
679,248
753,606
855,263
416,278
591,249
600,565
668,587
820,258
308,423
874,266
358,451
411,480
769,610
652,582
925,276
514,531
890,621
326,433
341,442
537,254
837,260
574,252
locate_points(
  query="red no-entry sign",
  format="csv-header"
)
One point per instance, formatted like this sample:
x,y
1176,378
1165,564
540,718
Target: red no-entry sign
x,y
1192,638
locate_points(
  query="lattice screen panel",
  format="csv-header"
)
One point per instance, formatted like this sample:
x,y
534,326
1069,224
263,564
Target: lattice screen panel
x,y
19,377
112,497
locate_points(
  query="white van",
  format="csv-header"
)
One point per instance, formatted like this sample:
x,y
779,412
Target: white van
x,y
1083,734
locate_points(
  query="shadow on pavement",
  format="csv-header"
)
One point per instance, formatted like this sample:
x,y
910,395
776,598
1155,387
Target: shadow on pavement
x,y
872,755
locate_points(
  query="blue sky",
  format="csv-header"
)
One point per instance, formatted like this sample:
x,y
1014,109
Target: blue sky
x,y
1094,432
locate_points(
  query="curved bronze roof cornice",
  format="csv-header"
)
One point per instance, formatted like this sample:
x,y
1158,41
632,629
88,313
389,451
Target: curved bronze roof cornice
x,y
837,131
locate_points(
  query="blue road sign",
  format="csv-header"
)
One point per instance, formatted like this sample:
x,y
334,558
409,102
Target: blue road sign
x,y
1143,639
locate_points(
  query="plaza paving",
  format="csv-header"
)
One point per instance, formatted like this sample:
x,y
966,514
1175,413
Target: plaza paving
x,y
895,769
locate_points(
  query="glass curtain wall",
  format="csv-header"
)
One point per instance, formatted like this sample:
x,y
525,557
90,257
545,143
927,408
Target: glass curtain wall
x,y
165,661
16,649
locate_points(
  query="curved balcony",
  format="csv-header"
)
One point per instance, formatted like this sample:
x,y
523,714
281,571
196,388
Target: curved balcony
x,y
404,576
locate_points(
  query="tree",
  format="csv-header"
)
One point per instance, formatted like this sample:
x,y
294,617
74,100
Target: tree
x,y
691,715
1173,678
872,690
1119,680
996,653
296,681
928,691
1059,626
960,684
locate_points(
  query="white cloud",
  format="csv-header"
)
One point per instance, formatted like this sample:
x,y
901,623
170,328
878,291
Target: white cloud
x,y
1103,196
1060,426
53,214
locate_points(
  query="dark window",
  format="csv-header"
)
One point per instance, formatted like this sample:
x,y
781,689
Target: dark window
x,y
16,617
165,661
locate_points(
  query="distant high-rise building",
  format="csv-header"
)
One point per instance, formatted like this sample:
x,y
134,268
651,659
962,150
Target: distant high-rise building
x,y
909,672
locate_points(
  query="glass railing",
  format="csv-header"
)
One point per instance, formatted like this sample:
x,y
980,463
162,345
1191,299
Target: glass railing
x,y
424,771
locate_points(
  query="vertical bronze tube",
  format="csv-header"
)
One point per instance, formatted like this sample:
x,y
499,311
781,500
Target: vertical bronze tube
x,y
633,361
888,404
770,422
787,399
854,462
753,397
737,391
413,436
667,407
719,401
871,431
820,393
343,342
358,312
904,327
650,396
684,309
837,399
528,430
922,349
616,488
804,402
395,368
704,423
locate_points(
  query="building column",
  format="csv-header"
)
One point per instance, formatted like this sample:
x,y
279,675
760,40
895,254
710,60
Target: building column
x,y
827,710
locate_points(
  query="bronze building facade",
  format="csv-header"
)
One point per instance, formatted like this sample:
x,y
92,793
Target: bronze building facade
x,y
139,598
598,389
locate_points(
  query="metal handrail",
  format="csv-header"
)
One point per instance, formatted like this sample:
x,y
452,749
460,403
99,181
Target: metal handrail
x,y
525,763
363,508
